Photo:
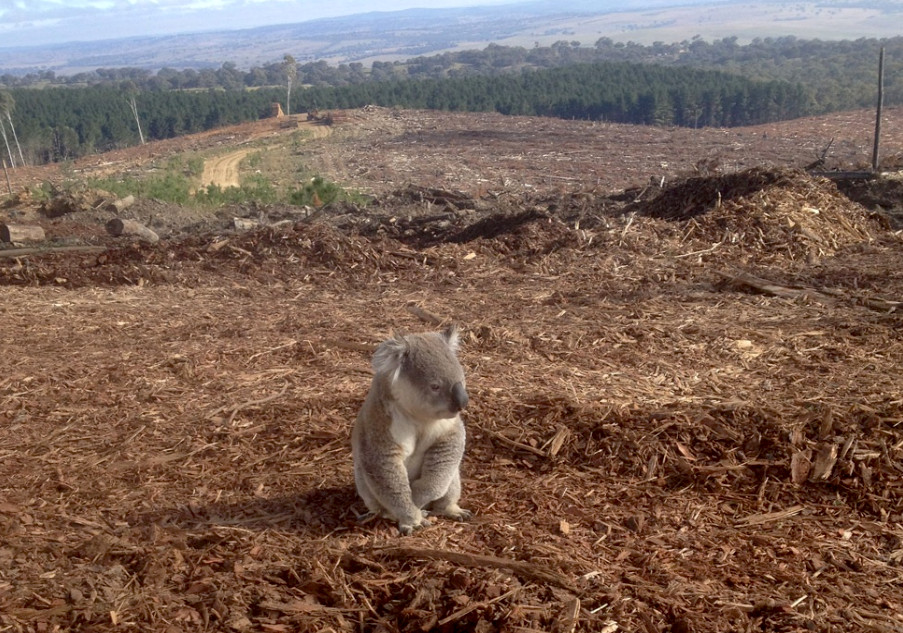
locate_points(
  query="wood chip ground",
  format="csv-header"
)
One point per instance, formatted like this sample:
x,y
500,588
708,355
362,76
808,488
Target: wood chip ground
x,y
686,415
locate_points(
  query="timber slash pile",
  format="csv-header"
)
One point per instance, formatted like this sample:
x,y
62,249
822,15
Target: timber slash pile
x,y
686,407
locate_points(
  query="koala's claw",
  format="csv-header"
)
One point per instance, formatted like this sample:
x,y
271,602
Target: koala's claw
x,y
366,517
407,530
455,512
463,515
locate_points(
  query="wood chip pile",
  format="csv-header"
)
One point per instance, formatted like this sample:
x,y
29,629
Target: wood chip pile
x,y
686,415
783,212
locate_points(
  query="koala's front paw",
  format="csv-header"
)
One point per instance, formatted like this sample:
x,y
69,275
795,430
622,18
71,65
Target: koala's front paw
x,y
406,528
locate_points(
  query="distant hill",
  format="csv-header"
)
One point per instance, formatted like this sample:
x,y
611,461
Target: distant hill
x,y
405,34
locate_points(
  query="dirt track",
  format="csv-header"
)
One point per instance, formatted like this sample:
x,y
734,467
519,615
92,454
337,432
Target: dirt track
x,y
223,170
686,411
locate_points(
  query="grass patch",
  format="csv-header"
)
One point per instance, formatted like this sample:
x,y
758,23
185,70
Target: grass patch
x,y
278,177
170,187
176,187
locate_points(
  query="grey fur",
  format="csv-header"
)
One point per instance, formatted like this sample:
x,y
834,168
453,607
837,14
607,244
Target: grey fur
x,y
408,439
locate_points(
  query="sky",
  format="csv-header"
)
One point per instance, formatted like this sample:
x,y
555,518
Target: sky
x,y
42,22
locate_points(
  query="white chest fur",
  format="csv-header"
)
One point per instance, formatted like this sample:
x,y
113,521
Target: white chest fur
x,y
416,438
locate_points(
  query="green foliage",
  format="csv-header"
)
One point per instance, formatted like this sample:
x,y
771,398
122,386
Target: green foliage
x,y
173,185
58,123
840,73
319,191
43,191
691,83
254,160
253,189
189,166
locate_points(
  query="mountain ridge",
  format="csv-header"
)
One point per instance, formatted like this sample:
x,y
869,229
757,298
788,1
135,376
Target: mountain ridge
x,y
394,35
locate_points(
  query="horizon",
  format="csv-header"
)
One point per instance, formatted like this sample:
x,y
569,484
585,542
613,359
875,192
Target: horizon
x,y
42,23
68,37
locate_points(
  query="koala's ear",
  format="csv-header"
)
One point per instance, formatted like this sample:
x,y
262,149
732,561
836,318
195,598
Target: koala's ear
x,y
452,337
387,357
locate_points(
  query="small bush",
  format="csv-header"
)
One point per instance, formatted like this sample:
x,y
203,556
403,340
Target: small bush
x,y
254,189
318,192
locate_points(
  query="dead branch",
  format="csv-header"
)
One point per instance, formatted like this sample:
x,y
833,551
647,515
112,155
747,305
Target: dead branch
x,y
526,571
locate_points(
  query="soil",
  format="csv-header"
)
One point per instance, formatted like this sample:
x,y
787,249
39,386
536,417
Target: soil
x,y
682,350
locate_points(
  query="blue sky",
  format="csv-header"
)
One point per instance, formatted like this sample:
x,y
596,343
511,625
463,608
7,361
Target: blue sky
x,y
41,22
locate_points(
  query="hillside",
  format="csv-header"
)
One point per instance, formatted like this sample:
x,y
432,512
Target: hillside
x,y
682,352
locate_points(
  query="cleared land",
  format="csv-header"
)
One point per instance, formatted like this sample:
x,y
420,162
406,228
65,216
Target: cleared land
x,y
686,409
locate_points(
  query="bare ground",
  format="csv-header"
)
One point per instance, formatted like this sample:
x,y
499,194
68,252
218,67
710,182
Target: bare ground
x,y
686,402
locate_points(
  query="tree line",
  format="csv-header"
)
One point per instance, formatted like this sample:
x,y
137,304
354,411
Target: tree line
x,y
839,74
61,123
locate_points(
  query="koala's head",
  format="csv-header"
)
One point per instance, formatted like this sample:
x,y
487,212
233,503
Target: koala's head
x,y
424,374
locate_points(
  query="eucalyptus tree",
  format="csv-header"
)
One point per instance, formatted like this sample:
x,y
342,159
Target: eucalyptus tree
x,y
290,68
12,162
7,105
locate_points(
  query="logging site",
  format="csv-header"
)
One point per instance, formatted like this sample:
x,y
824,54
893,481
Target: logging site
x,y
683,353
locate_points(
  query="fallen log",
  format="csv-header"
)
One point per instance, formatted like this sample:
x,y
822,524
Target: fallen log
x,y
245,224
21,233
122,203
117,227
54,250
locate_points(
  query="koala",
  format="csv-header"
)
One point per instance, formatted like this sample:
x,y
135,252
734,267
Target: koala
x,y
408,439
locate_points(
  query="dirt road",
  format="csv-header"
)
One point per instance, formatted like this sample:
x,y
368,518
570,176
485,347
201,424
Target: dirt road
x,y
223,170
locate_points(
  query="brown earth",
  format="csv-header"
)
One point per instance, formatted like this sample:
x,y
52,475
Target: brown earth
x,y
686,404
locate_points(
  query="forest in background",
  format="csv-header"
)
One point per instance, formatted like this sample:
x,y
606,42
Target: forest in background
x,y
58,118
61,123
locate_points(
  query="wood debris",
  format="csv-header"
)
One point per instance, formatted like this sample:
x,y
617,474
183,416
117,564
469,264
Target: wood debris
x,y
662,435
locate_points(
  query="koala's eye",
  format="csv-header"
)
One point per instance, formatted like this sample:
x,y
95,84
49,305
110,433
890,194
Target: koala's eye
x,y
435,387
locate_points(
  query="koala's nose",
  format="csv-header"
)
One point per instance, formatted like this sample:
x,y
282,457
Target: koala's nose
x,y
459,397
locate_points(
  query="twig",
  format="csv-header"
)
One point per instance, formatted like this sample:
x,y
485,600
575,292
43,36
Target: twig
x,y
297,607
460,613
423,315
768,517
249,403
627,226
567,621
273,349
515,444
825,294
527,571
702,252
